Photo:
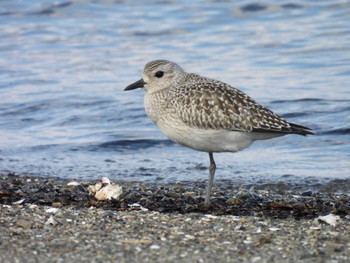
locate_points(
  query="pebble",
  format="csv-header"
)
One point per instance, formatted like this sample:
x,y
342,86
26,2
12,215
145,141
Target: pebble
x,y
73,183
52,210
57,204
51,221
329,219
18,202
24,223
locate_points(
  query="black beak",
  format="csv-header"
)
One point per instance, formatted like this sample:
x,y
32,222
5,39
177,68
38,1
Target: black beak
x,y
138,84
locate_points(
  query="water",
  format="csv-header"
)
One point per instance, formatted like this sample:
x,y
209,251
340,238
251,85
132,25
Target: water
x,y
64,65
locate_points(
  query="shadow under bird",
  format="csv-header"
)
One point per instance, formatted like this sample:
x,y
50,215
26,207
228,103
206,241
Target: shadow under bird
x,y
206,114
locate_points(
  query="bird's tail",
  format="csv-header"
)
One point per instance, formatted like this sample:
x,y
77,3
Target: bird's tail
x,y
301,130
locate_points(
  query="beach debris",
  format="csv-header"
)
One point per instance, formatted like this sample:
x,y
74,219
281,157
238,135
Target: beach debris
x,y
105,190
329,219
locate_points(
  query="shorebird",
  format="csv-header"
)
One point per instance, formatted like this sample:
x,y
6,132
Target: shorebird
x,y
206,114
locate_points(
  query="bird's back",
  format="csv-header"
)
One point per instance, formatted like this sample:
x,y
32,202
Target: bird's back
x,y
210,104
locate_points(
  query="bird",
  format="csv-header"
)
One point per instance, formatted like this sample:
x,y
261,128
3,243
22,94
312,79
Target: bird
x,y
205,114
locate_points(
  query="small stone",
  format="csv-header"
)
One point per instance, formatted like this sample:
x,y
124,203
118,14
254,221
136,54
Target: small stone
x,y
233,201
344,209
240,228
274,229
137,206
190,194
24,223
108,214
154,247
73,183
307,193
172,194
256,259
329,219
52,210
19,202
51,221
315,228
211,216
136,241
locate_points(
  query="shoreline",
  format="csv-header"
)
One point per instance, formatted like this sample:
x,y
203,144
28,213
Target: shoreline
x,y
45,220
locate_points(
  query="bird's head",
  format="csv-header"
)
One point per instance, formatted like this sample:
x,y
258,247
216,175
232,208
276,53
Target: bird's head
x,y
158,75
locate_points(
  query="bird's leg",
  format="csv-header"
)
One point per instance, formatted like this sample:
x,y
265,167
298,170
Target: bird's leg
x,y
212,169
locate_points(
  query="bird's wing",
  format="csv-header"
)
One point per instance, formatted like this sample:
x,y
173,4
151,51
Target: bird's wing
x,y
210,104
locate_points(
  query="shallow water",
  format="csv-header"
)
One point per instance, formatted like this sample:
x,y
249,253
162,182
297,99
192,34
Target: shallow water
x,y
64,65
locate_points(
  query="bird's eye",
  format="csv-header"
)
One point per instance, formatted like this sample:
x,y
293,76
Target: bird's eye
x,y
159,74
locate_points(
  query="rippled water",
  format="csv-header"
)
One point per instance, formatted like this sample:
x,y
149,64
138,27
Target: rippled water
x,y
64,65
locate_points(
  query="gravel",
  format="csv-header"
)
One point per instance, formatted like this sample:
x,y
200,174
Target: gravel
x,y
47,220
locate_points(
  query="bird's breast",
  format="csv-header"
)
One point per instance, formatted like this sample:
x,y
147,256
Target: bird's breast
x,y
156,106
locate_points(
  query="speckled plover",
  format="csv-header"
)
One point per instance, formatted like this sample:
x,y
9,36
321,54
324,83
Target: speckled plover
x,y
206,114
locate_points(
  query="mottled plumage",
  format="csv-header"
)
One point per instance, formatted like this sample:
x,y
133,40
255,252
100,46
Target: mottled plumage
x,y
206,114
210,104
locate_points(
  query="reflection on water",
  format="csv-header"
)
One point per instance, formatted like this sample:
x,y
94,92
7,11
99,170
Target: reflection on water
x,y
64,64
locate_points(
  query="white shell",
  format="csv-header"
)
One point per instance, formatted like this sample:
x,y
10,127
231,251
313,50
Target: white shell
x,y
108,192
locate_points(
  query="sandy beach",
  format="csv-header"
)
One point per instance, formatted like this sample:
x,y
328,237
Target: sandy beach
x,y
46,220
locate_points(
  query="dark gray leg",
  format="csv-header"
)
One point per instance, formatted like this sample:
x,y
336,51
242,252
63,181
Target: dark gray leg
x,y
212,169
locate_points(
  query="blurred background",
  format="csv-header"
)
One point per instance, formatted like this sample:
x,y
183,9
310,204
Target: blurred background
x,y
64,65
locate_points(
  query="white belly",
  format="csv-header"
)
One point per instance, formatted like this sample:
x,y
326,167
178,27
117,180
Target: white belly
x,y
205,140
